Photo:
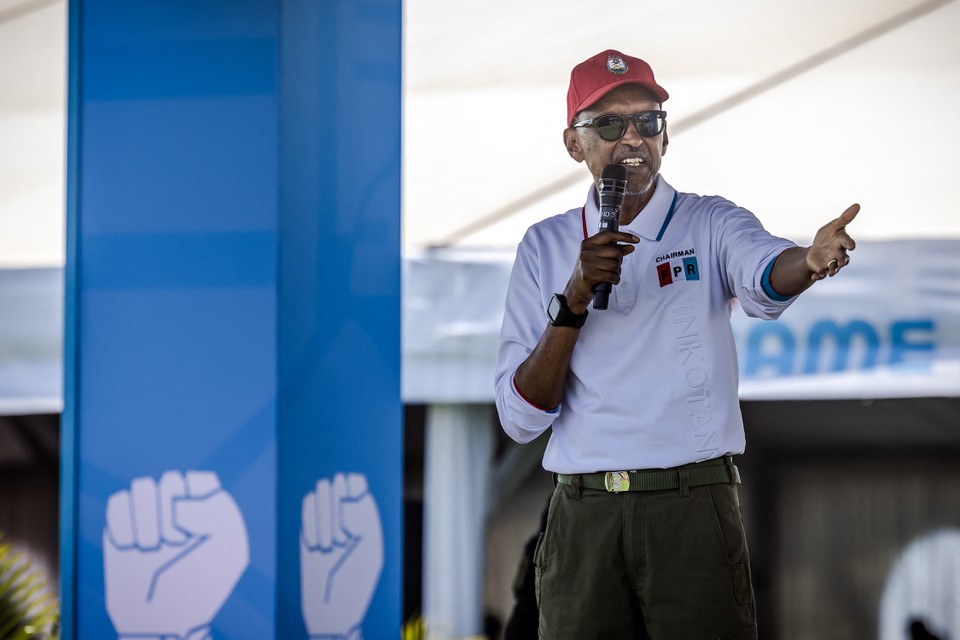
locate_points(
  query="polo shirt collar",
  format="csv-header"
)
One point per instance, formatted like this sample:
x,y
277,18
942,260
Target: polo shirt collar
x,y
653,218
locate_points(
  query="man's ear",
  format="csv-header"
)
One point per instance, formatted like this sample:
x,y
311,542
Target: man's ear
x,y
666,140
572,142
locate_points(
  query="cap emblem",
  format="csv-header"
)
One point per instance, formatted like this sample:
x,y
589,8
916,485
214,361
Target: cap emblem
x,y
616,65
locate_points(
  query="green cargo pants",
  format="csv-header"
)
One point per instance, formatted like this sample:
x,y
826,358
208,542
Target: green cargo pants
x,y
653,565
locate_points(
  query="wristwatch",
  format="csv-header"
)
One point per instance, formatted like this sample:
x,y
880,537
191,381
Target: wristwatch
x,y
560,315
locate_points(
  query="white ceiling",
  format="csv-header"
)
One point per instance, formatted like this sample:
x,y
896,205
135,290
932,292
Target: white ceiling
x,y
491,44
32,117
873,120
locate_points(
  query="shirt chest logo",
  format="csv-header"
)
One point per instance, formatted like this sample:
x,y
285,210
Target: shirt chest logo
x,y
678,266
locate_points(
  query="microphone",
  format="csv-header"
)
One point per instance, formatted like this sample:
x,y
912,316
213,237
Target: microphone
x,y
613,184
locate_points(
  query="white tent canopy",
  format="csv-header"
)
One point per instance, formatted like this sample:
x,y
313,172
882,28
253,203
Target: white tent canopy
x,y
793,111
33,62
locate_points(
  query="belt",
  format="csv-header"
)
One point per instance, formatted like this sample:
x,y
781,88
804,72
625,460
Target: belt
x,y
715,471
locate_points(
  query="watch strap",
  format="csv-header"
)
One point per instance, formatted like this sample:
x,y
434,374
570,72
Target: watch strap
x,y
563,316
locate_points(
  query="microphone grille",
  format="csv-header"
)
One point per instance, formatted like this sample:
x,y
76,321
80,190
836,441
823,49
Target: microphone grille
x,y
614,172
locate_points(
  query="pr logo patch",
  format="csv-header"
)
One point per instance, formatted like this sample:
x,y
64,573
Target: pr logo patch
x,y
676,269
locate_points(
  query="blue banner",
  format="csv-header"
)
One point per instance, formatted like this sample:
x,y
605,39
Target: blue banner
x,y
340,438
232,427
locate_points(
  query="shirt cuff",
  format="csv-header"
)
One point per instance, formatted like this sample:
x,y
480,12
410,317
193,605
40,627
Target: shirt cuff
x,y
556,409
767,286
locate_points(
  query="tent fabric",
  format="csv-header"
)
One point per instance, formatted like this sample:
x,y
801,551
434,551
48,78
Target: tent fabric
x,y
793,111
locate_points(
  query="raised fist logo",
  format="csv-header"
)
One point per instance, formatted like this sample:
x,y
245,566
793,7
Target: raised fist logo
x,y
341,556
173,552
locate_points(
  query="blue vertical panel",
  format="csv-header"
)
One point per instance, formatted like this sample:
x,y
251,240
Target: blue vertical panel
x,y
339,368
170,418
68,419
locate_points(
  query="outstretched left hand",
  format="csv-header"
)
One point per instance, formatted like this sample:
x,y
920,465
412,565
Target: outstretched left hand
x,y
828,253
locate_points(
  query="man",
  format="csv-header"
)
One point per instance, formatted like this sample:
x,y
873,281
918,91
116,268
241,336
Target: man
x,y
644,537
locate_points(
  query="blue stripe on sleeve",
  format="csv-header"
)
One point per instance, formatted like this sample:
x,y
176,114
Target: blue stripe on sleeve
x,y
768,286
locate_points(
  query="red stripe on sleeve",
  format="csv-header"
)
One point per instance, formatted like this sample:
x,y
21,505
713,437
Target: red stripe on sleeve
x,y
529,402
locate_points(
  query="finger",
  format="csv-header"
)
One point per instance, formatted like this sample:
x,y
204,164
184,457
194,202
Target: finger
x,y
216,515
202,483
324,537
605,257
361,517
146,513
604,252
172,486
357,485
838,263
336,513
611,237
843,261
119,520
848,215
602,270
308,520
358,511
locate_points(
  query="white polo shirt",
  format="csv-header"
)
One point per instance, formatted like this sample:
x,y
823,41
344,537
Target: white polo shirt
x,y
653,378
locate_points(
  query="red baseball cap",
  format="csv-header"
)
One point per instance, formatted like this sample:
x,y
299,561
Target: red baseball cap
x,y
594,78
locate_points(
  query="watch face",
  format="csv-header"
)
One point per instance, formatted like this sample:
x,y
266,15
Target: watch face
x,y
553,309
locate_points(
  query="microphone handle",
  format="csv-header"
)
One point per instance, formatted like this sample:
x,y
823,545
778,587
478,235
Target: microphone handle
x,y
609,221
601,295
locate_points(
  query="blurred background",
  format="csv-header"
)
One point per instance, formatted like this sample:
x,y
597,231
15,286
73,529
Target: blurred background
x,y
851,401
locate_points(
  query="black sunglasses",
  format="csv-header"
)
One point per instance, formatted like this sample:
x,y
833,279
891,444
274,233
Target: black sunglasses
x,y
612,127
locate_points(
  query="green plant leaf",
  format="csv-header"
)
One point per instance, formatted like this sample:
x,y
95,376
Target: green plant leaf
x,y
25,599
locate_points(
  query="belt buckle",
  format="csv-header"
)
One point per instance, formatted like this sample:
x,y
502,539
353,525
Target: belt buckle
x,y
616,481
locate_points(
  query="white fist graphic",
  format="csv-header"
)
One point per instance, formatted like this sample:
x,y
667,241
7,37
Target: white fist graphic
x,y
172,553
341,555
